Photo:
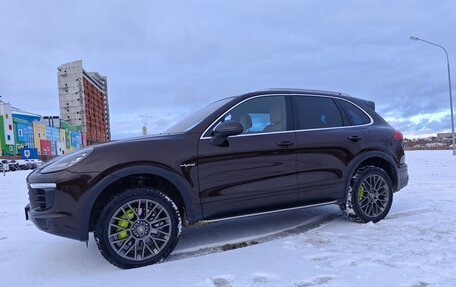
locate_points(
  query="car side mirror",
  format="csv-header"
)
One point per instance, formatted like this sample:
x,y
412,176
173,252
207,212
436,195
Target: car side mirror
x,y
224,130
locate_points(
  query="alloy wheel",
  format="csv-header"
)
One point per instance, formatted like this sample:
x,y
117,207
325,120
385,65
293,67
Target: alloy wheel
x,y
373,195
139,229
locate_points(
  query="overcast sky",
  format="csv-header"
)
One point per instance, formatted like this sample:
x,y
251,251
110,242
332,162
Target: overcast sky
x,y
164,59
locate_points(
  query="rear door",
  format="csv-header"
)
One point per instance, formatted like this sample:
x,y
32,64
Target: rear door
x,y
326,143
256,170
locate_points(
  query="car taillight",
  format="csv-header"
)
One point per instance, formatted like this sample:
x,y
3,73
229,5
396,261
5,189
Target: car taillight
x,y
398,136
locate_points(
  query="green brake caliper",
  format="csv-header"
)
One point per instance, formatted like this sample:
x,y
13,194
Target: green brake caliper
x,y
360,193
125,224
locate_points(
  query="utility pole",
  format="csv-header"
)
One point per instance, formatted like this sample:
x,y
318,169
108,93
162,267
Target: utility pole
x,y
449,84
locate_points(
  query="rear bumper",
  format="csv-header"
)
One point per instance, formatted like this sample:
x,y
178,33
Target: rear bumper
x,y
403,177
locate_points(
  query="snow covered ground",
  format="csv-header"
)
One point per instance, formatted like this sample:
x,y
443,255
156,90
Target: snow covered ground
x,y
414,246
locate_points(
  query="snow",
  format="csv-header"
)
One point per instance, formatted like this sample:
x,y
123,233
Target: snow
x,y
413,246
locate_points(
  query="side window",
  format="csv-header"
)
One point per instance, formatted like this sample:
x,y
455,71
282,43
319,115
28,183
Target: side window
x,y
258,115
316,112
355,115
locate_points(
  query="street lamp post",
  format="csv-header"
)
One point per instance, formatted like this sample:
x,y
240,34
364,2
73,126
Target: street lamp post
x,y
449,84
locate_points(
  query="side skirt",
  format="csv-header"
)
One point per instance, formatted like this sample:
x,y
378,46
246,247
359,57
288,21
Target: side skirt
x,y
203,222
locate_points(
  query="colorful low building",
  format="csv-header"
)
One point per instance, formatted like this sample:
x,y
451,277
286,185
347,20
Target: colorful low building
x,y
7,143
76,140
45,147
62,146
53,135
39,133
23,133
31,135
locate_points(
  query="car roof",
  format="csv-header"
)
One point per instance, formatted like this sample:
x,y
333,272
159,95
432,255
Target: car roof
x,y
273,91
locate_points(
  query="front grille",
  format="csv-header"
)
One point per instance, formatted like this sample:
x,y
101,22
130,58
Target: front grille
x,y
41,199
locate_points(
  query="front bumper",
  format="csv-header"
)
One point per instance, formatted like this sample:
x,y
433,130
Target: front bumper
x,y
403,177
56,203
47,216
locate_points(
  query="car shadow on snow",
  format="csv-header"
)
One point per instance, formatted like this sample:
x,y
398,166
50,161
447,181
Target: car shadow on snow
x,y
68,256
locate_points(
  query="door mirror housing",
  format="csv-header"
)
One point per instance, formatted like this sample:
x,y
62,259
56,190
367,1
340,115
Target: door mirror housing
x,y
224,130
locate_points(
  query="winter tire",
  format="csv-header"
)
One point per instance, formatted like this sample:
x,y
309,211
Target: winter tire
x,y
138,227
369,195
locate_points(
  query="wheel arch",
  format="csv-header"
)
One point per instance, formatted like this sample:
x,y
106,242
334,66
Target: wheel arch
x,y
172,183
374,158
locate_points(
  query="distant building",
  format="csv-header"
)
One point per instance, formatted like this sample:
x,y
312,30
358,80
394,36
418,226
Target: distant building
x,y
7,142
23,128
39,136
83,98
51,121
27,116
443,135
31,135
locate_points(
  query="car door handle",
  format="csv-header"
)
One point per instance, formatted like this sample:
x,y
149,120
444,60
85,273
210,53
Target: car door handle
x,y
285,143
354,138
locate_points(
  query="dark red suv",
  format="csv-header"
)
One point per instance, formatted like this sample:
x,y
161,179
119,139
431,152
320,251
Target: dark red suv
x,y
265,151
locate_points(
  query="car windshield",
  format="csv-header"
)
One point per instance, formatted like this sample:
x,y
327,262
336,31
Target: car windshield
x,y
195,118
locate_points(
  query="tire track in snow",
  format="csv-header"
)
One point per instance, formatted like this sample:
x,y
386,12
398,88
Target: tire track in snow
x,y
410,213
312,224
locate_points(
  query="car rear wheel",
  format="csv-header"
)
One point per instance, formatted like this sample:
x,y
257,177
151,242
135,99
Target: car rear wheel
x,y
369,197
138,227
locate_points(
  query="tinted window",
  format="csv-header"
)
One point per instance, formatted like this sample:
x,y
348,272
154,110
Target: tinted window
x,y
317,112
354,114
258,115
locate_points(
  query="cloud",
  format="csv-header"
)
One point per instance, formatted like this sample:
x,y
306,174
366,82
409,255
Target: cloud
x,y
166,59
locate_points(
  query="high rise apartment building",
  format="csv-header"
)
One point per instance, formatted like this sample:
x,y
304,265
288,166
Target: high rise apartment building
x,y
83,99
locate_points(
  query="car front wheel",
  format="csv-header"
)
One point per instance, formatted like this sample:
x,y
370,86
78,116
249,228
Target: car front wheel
x,y
138,227
369,196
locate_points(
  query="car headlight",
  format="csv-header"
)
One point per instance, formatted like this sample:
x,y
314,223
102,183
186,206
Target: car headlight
x,y
66,161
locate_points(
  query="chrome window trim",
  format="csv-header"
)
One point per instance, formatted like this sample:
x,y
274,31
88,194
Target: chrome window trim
x,y
281,132
245,100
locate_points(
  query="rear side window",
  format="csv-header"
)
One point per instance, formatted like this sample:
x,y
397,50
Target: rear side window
x,y
316,112
355,115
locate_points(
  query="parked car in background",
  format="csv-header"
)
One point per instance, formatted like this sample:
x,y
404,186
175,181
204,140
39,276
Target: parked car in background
x,y
32,163
13,165
39,162
23,164
4,165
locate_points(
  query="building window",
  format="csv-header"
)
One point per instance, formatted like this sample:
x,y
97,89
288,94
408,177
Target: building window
x,y
19,132
7,116
39,135
8,137
10,127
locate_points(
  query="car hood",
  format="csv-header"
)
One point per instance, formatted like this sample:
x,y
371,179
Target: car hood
x,y
154,149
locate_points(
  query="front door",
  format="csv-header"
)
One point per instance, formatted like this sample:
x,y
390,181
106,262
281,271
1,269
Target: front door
x,y
256,170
